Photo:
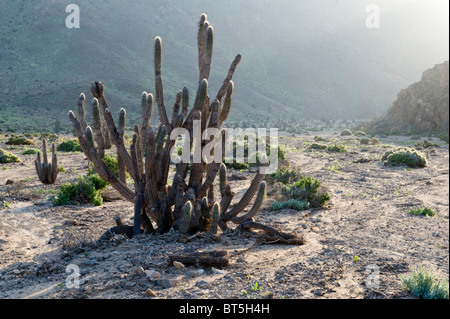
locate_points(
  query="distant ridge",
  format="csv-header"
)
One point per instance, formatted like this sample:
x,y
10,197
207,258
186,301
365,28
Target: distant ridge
x,y
423,107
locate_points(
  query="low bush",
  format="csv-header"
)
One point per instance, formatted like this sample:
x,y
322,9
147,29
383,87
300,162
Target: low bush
x,y
69,146
346,133
337,148
284,175
404,156
316,146
7,157
423,212
360,133
426,144
307,189
84,191
18,140
424,284
30,151
298,205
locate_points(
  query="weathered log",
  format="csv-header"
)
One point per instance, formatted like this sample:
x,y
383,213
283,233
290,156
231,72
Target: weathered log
x,y
203,259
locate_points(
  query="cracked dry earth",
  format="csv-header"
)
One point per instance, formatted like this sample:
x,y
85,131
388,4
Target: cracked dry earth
x,y
365,231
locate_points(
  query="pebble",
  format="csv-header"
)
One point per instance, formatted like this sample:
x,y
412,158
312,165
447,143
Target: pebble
x,y
167,283
178,265
152,274
202,284
137,271
129,285
150,293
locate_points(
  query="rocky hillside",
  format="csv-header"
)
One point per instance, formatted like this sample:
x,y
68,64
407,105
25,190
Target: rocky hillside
x,y
422,107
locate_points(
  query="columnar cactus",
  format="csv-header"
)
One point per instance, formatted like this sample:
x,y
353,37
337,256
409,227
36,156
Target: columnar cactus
x,y
189,204
47,172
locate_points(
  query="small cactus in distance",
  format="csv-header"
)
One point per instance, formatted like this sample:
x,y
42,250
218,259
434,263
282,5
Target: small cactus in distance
x,y
47,172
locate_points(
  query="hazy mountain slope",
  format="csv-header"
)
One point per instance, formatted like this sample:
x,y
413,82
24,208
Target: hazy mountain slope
x,y
421,107
314,57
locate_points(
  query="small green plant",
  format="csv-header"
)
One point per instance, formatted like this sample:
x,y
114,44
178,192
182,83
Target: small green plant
x,y
18,140
298,205
7,157
423,284
307,189
244,292
356,259
404,156
364,141
316,146
337,148
30,151
423,212
255,287
85,190
284,175
426,144
69,146
346,133
4,168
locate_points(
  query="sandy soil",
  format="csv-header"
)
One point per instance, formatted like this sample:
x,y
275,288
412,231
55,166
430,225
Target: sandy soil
x,y
365,235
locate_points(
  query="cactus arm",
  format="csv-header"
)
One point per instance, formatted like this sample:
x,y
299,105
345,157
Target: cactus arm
x,y
159,91
98,127
187,210
255,208
226,82
215,219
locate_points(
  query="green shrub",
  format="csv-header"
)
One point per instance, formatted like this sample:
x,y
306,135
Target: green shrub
x,y
85,191
337,148
360,133
423,284
404,156
316,146
307,189
426,144
7,157
284,175
423,212
319,139
374,141
30,151
18,140
69,146
346,133
291,203
364,141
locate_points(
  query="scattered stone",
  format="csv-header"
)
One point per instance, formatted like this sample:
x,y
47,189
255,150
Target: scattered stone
x,y
167,283
150,293
178,265
152,274
129,285
202,284
137,272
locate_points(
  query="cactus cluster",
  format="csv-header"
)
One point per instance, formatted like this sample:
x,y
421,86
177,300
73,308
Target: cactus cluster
x,y
189,204
47,172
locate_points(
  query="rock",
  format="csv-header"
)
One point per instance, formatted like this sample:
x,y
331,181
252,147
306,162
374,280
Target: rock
x,y
129,285
150,293
195,273
152,274
137,272
202,284
178,265
167,283
422,107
